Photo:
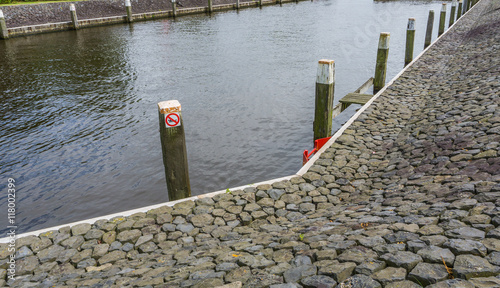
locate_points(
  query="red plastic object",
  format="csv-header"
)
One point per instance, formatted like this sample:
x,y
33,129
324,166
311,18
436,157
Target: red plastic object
x,y
317,145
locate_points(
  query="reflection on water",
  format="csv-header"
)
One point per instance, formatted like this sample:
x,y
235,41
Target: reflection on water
x,y
78,111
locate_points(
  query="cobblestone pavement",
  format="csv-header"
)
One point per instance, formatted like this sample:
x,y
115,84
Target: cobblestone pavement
x,y
408,196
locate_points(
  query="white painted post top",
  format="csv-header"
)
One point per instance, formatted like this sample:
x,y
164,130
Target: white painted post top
x,y
170,106
1,13
460,1
383,42
72,7
443,7
454,3
173,1
325,71
127,3
411,23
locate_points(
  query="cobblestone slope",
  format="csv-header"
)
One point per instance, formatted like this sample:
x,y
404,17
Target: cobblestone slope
x,y
43,13
408,197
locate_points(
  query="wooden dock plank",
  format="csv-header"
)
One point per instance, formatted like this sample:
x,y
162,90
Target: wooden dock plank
x,y
356,98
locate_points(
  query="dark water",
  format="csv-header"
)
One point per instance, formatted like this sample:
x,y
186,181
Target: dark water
x,y
79,116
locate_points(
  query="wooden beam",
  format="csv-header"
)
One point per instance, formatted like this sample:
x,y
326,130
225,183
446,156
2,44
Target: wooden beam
x,y
452,13
459,9
173,145
4,33
363,88
356,98
74,18
337,110
325,83
442,20
381,66
428,32
410,40
344,103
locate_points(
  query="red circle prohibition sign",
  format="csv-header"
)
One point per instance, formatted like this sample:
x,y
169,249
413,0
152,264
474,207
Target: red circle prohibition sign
x,y
172,120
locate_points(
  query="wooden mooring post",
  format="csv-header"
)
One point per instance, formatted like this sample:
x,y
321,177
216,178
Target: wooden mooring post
x,y
128,7
442,20
174,8
237,4
459,9
74,18
381,65
452,13
210,8
260,3
325,87
410,40
173,145
4,33
428,32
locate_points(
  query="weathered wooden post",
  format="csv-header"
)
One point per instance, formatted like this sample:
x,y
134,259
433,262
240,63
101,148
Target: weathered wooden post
x,y
210,8
428,32
74,18
173,145
410,40
381,66
260,3
442,20
459,10
325,87
466,6
174,8
128,7
452,13
4,33
237,4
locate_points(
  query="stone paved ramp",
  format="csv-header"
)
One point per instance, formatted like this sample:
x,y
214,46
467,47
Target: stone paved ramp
x,y
408,196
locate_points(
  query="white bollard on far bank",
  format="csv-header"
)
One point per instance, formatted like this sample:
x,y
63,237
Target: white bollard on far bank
x,y
74,18
4,33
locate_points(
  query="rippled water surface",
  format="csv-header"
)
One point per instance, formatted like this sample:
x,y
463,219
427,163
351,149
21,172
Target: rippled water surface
x,y
79,116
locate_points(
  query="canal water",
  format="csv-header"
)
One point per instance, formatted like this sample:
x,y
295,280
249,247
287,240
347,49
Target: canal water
x,y
79,116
